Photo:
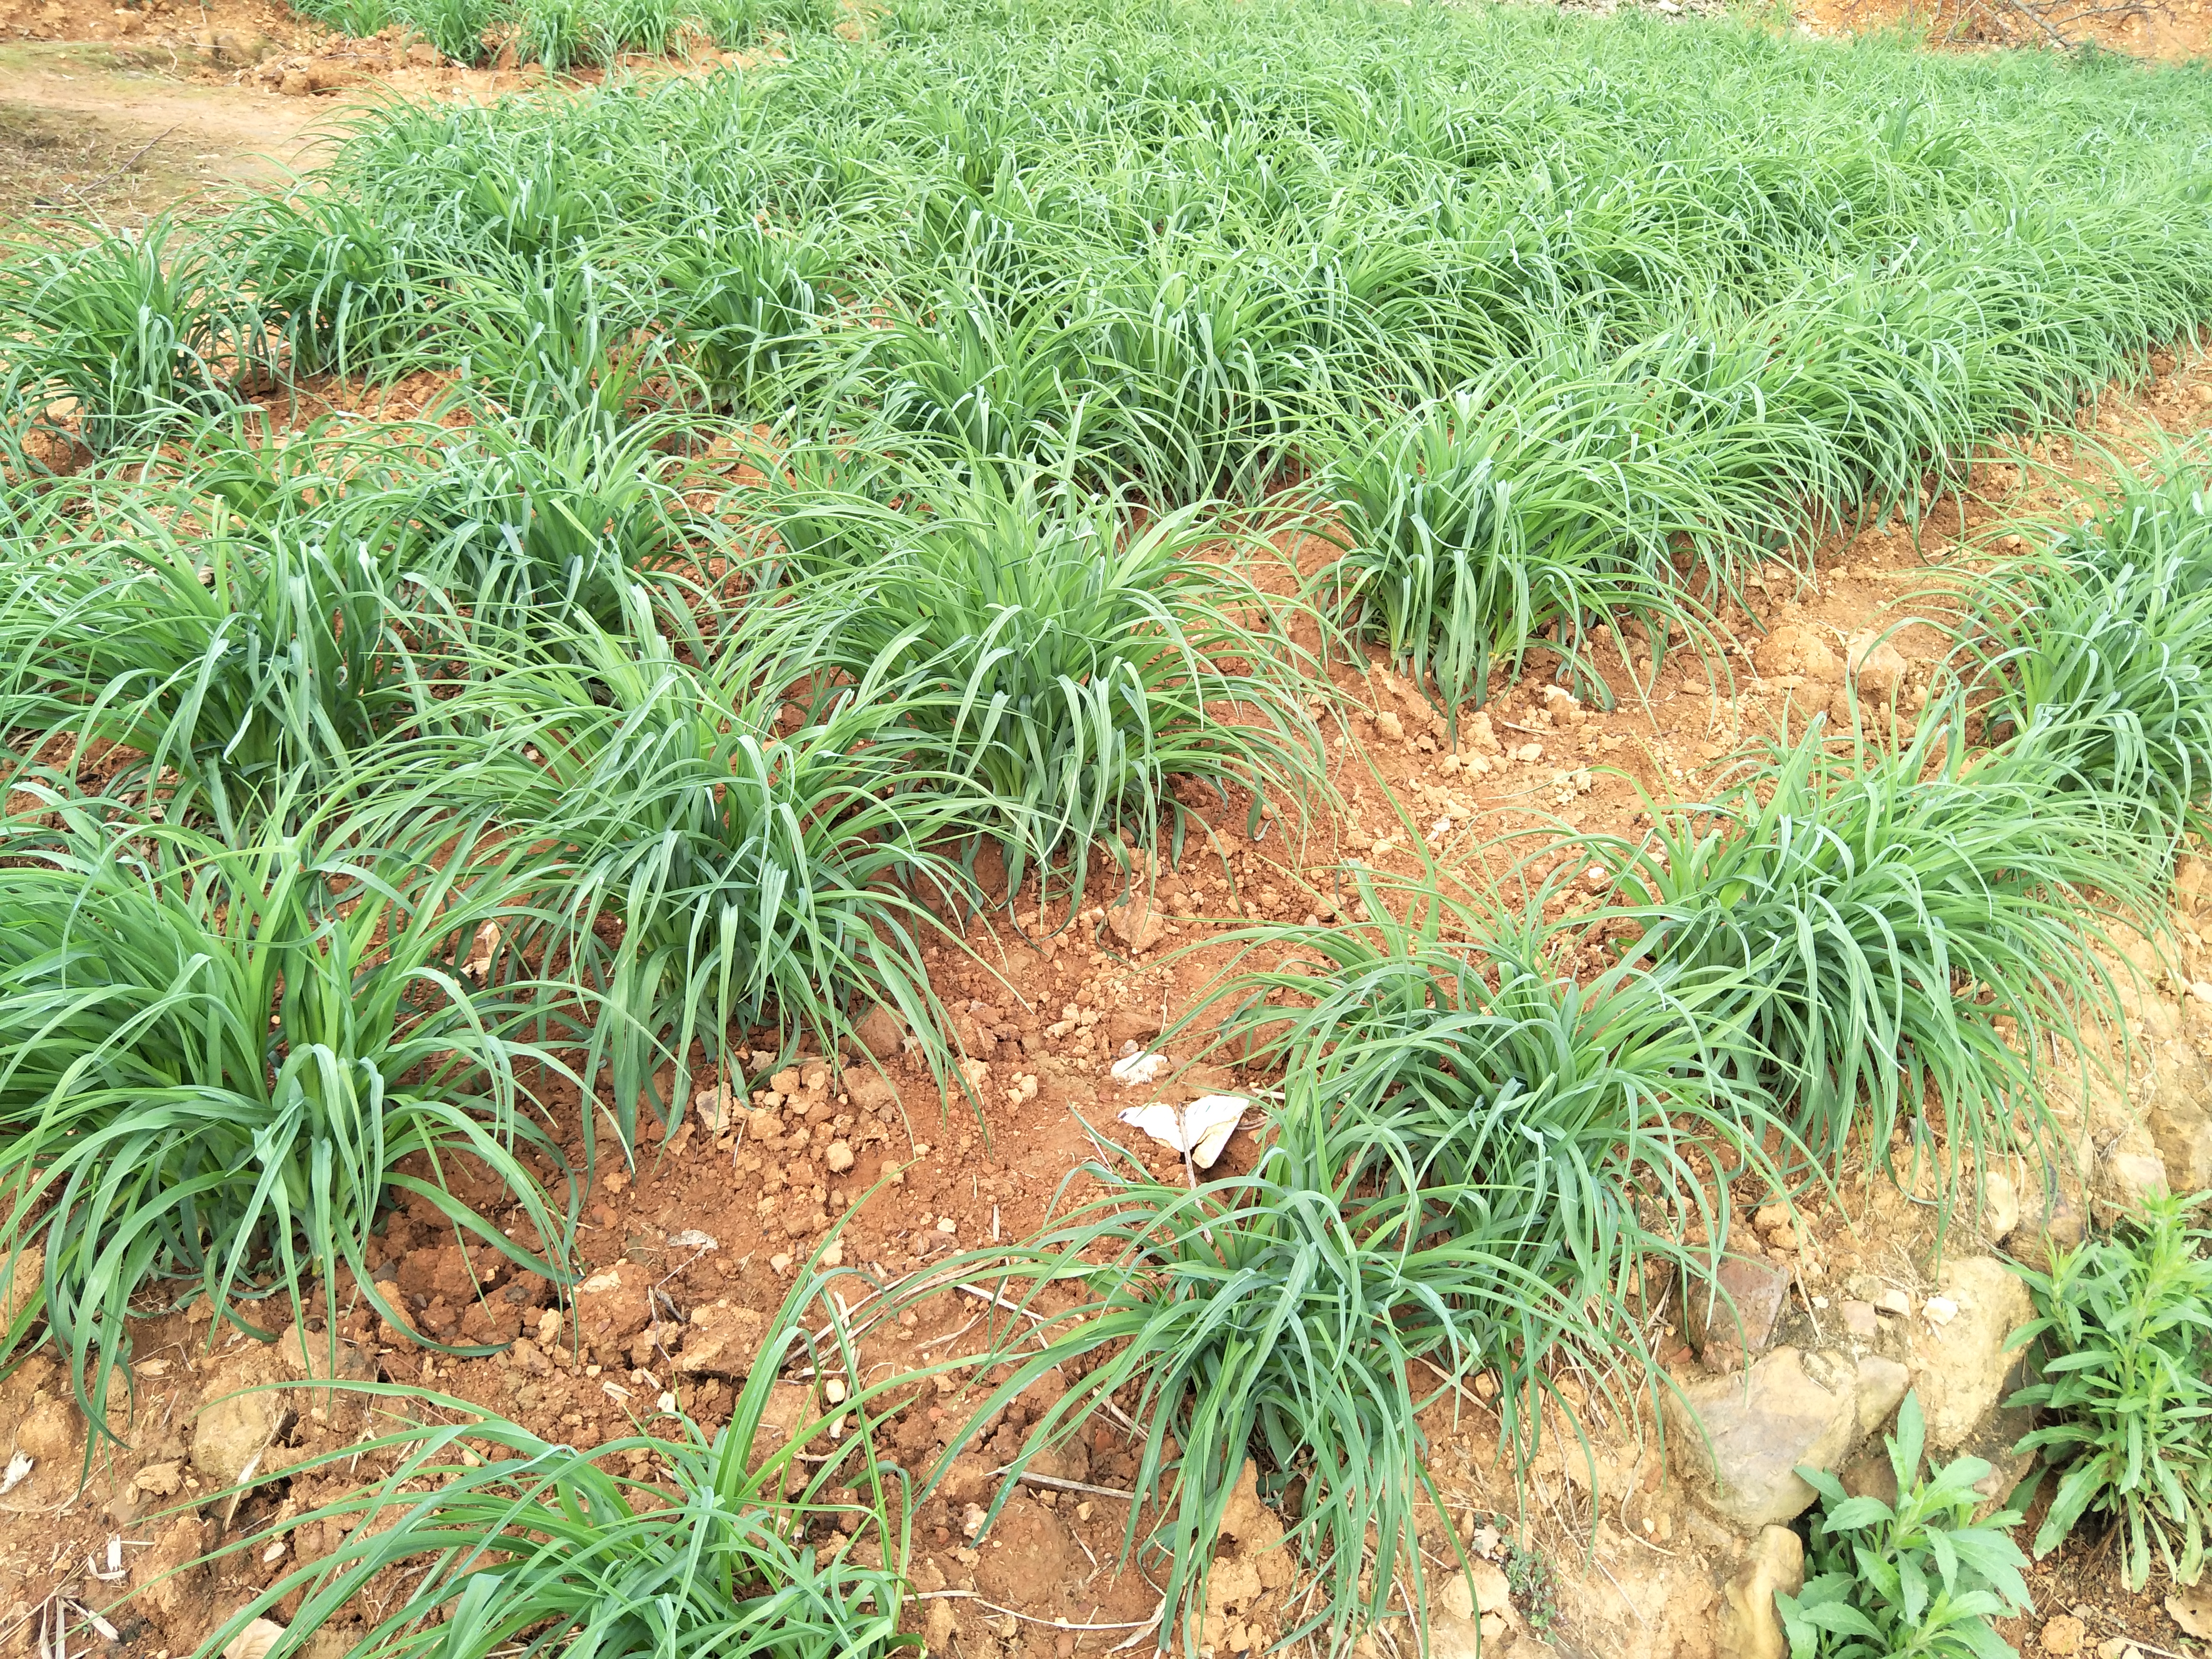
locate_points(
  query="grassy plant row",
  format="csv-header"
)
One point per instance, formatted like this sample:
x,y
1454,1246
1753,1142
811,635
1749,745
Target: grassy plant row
x,y
565,33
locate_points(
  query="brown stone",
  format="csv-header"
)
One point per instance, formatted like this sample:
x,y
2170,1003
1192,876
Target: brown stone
x,y
527,1357
2130,1177
1481,1588
966,1480
2179,1119
51,1432
722,1341
881,1032
1797,650
612,1307
1134,921
2063,1635
1868,1473
1739,1440
1756,1288
870,1092
1961,1366
2052,1223
1881,1386
234,1428
490,1324
1131,1025
938,1627
438,1272
1749,1626
160,1479
1877,665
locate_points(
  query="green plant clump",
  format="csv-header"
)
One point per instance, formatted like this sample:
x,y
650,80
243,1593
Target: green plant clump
x,y
1078,672
1442,1197
1917,1579
720,1543
2099,649
217,1066
2123,1332
1870,905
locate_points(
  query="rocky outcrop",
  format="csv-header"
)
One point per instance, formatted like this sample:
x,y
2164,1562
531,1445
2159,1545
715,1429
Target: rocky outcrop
x,y
1738,1439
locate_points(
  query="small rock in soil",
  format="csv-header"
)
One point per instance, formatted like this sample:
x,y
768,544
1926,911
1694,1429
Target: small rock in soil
x,y
938,1628
1963,1366
1134,922
2179,1118
234,1429
881,1032
1750,1628
1482,1588
2131,1178
316,1356
2052,1225
160,1479
1757,1288
1738,1439
525,1356
2063,1635
2000,1206
1876,665
1799,651
1881,1389
1869,1474
2191,1609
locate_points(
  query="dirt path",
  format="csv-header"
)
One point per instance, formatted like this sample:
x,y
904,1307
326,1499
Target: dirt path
x,y
87,128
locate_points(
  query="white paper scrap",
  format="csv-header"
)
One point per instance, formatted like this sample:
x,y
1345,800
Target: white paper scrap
x,y
1202,1129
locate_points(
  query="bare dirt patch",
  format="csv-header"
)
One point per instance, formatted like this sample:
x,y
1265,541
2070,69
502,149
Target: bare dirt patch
x,y
94,131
